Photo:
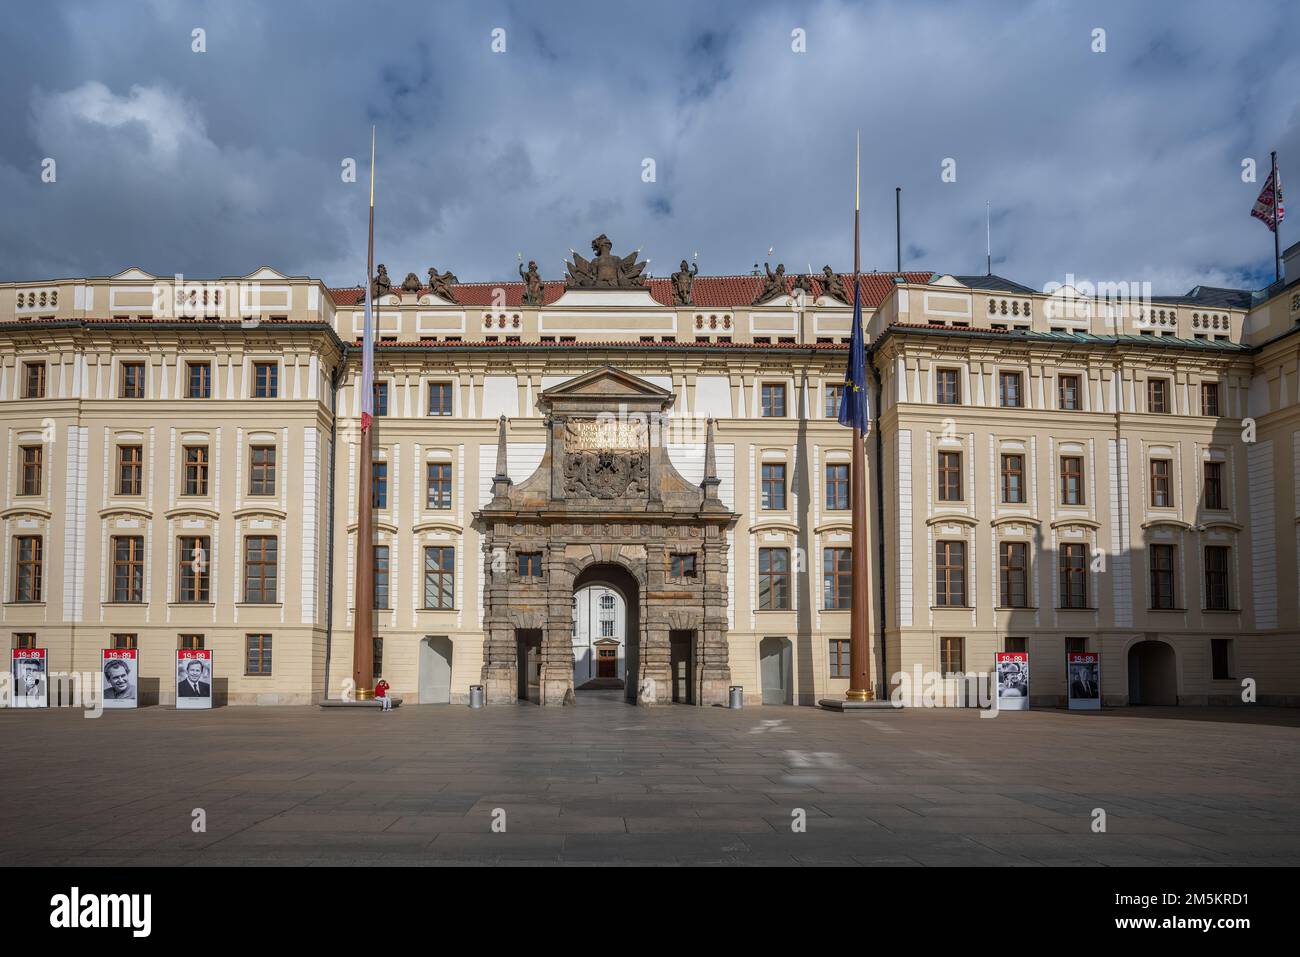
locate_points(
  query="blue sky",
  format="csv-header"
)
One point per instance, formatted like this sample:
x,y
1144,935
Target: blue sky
x,y
1122,165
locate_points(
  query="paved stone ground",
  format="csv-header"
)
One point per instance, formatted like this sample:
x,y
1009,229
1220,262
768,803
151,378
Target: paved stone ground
x,y
608,783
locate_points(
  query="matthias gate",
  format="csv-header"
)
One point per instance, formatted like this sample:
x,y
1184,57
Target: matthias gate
x,y
606,505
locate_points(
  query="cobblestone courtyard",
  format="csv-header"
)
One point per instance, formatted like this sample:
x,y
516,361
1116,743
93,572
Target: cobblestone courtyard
x,y
608,783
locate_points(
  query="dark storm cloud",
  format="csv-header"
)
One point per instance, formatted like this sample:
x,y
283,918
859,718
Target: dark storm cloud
x,y
1123,165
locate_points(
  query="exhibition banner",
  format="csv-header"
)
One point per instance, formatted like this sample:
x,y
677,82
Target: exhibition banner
x,y
120,669
31,684
1083,679
1013,680
194,678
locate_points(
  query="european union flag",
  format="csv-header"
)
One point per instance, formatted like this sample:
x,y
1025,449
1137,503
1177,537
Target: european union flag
x,y
855,406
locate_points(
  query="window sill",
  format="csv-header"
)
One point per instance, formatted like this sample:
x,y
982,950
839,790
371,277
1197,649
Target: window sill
x,y
952,607
1176,611
1221,611
1015,608
191,604
26,604
126,604
779,611
437,609
1076,608
259,604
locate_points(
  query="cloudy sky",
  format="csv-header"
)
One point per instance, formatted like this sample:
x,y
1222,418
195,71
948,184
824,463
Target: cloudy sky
x,y
1117,165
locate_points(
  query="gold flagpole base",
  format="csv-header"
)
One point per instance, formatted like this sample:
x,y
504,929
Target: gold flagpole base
x,y
365,694
857,694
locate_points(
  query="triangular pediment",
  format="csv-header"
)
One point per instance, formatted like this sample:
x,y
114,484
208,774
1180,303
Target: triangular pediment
x,y
133,274
606,382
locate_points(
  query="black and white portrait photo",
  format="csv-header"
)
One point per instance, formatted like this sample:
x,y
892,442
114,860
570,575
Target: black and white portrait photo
x,y
121,680
193,679
1013,679
30,686
1085,680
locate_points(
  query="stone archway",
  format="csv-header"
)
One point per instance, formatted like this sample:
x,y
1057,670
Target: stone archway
x,y
618,578
1152,673
607,500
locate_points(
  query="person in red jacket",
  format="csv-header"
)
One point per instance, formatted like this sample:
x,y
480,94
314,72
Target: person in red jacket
x,y
381,693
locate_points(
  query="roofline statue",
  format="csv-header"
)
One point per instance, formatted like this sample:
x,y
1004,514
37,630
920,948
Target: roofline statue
x,y
605,271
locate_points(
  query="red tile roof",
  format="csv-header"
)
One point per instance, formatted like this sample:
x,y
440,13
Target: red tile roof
x,y
709,292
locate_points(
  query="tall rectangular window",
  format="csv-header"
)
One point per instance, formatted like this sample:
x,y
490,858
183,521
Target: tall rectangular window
x,y
1218,594
1158,395
773,579
1071,480
198,380
834,398
439,487
30,550
952,656
839,658
29,482
261,470
266,380
947,386
837,487
189,643
124,642
381,576
773,400
837,578
1214,485
257,658
440,398
128,568
33,380
1010,390
439,577
950,477
950,574
192,565
773,488
1221,658
1013,479
1013,570
132,380
1067,393
1162,576
379,485
1209,398
196,470
530,565
260,569
1074,575
377,657
1161,493
1016,645
130,469
381,399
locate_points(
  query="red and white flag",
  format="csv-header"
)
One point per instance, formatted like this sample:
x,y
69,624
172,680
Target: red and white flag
x,y
1269,208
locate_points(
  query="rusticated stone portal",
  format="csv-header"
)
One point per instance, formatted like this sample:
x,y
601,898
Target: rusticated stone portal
x,y
606,503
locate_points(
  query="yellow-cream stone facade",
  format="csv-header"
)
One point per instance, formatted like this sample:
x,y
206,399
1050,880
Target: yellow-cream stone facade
x,y
1046,472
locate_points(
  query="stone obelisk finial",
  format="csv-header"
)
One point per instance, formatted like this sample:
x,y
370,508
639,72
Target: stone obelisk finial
x,y
711,480
501,480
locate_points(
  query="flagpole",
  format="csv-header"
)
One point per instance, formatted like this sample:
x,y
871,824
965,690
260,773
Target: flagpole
x,y
859,616
1277,225
363,643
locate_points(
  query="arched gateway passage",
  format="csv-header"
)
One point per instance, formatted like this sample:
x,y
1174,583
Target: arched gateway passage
x,y
607,629
605,507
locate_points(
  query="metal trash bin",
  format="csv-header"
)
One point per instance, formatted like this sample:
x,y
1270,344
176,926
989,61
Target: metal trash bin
x,y
476,696
736,696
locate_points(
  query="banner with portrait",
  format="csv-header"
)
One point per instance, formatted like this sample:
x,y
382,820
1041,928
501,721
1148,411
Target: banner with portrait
x,y
194,678
120,677
1013,680
1083,680
31,680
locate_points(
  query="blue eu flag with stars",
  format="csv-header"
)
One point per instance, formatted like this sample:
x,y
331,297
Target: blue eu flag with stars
x,y
855,407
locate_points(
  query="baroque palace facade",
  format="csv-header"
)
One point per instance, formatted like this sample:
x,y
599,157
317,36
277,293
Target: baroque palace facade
x,y
614,478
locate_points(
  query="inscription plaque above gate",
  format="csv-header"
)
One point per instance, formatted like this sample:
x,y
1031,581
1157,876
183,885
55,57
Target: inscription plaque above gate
x,y
605,435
